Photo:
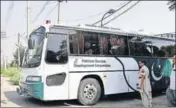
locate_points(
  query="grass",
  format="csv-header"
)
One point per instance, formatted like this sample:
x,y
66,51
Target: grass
x,y
13,73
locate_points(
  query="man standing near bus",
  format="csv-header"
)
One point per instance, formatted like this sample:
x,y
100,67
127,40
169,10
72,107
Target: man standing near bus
x,y
144,85
171,91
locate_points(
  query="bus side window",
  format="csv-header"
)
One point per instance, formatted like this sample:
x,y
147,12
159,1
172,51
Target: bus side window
x,y
104,43
57,49
113,45
84,43
91,43
73,41
139,47
71,48
118,45
163,48
131,46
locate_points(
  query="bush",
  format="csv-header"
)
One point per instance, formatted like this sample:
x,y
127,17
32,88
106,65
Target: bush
x,y
2,70
15,79
15,55
13,73
9,72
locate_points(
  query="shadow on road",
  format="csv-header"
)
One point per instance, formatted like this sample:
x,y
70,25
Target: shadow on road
x,y
31,102
26,102
129,96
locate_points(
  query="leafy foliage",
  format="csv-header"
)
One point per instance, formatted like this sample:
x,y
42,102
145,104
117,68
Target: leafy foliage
x,y
15,79
15,55
13,73
9,72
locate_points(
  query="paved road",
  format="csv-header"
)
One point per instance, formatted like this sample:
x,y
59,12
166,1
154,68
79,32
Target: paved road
x,y
9,98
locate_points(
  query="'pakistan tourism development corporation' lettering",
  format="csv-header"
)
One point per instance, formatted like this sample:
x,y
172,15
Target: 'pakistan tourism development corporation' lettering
x,y
97,63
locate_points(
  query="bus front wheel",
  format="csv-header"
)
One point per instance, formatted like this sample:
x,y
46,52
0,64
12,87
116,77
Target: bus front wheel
x,y
89,91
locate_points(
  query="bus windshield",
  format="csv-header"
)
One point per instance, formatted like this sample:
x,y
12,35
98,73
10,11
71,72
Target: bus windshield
x,y
33,56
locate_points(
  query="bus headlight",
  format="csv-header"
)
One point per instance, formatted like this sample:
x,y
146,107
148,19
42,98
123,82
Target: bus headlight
x,y
33,78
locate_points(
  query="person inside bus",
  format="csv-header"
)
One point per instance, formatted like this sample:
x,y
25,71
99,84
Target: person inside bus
x,y
171,90
88,49
51,56
144,84
113,47
109,47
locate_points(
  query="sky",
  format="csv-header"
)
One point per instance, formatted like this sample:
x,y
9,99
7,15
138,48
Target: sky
x,y
151,16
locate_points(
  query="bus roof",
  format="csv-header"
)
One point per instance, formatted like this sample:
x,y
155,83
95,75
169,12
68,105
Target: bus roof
x,y
108,30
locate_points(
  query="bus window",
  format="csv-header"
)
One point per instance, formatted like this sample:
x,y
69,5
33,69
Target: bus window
x,y
76,43
84,43
163,48
139,46
117,45
73,40
91,43
113,45
80,39
57,49
103,44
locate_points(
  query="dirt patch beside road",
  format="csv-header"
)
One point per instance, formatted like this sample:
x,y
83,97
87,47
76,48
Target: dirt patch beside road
x,y
7,87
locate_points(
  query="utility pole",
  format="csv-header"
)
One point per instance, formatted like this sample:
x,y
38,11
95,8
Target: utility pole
x,y
59,1
28,18
58,10
5,62
19,63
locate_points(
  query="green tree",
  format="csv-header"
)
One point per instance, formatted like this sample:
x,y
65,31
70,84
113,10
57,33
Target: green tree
x,y
15,55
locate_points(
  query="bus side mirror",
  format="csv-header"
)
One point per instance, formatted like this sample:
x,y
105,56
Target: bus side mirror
x,y
31,44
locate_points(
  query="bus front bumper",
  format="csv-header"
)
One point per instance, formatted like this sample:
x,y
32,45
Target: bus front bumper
x,y
31,90
22,92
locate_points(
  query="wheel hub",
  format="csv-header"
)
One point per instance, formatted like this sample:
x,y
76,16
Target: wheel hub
x,y
90,91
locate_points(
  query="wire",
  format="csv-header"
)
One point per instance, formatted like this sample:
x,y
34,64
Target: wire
x,y
9,10
122,13
113,13
39,5
50,11
88,16
75,19
42,9
9,13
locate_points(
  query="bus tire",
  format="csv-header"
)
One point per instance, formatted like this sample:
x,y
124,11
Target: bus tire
x,y
89,91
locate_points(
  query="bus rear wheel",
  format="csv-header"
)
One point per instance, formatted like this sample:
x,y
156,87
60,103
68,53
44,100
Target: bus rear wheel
x,y
89,91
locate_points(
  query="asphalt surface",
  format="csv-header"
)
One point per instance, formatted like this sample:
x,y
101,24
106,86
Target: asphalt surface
x,y
9,98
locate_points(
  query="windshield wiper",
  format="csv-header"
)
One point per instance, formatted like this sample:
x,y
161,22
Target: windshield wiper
x,y
30,65
32,62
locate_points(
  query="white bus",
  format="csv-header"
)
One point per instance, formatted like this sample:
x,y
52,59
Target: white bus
x,y
85,63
